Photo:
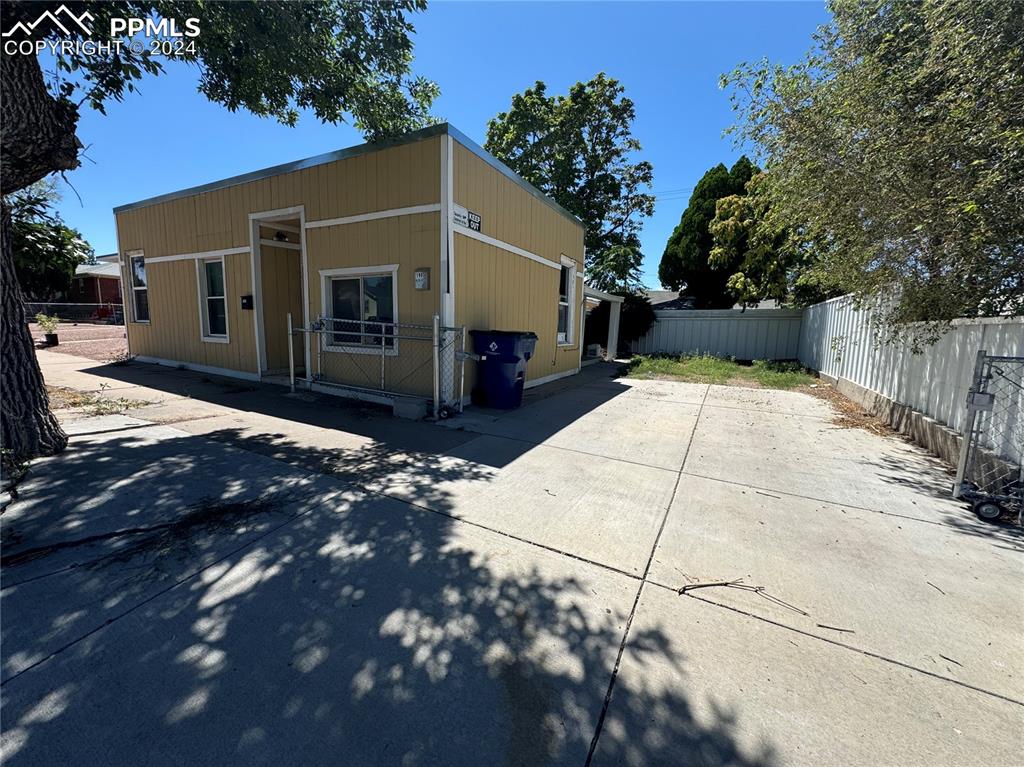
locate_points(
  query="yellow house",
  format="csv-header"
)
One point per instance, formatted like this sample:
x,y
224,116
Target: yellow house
x,y
362,248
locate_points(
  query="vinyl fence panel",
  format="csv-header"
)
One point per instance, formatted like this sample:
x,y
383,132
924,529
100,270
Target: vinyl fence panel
x,y
845,342
756,334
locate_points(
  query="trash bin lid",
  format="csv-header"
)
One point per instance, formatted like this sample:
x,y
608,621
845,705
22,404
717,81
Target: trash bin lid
x,y
503,342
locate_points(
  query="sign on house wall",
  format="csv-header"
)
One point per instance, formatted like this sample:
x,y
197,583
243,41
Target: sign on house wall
x,y
466,218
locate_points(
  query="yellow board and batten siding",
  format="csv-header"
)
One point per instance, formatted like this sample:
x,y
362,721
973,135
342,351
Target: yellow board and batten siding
x,y
411,242
501,290
396,177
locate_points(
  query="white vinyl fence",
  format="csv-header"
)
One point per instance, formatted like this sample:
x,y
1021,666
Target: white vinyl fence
x,y
841,341
755,334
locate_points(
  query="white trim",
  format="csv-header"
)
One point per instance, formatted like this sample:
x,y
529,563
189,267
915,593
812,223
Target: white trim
x,y
281,214
570,303
281,227
447,282
135,290
326,275
412,210
600,295
265,218
279,244
202,299
548,379
202,254
199,368
304,274
123,263
359,270
474,235
254,252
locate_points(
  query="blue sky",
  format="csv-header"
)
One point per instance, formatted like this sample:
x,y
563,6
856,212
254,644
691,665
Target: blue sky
x,y
667,55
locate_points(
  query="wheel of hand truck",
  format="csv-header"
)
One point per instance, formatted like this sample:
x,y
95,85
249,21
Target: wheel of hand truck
x,y
989,511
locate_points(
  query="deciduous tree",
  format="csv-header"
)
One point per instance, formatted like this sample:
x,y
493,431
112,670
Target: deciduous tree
x,y
895,151
46,251
580,150
764,260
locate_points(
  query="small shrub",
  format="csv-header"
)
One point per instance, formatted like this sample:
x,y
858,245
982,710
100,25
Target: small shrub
x,y
47,322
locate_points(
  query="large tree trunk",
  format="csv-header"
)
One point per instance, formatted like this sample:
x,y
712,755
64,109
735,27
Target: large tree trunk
x,y
29,428
38,138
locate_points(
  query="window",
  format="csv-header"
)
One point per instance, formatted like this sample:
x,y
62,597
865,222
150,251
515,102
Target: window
x,y
360,305
566,299
140,288
213,305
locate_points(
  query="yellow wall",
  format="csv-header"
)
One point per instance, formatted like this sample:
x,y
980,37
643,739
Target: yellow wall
x,y
500,290
494,288
409,241
397,177
173,332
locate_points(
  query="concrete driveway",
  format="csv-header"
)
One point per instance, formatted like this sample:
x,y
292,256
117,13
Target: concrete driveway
x,y
228,575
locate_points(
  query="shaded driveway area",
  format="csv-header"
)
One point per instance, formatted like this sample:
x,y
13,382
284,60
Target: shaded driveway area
x,y
230,575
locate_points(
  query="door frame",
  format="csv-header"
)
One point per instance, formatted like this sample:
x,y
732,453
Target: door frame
x,y
262,217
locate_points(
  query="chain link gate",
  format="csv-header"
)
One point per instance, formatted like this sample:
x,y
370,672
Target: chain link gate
x,y
396,359
990,472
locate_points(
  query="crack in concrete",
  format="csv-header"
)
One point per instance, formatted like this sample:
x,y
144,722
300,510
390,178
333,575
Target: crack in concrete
x,y
636,602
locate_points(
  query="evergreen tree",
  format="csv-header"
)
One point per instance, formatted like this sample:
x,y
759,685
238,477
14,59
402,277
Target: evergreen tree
x,y
686,264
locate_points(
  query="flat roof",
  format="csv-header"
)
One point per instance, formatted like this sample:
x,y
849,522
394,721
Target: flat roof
x,y
440,129
102,269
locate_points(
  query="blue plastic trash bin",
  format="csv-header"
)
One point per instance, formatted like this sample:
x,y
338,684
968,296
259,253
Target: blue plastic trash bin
x,y
501,372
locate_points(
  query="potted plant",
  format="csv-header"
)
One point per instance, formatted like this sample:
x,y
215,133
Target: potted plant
x,y
48,324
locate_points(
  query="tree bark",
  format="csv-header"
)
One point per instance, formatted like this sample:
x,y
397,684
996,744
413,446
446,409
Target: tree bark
x,y
38,138
28,427
38,131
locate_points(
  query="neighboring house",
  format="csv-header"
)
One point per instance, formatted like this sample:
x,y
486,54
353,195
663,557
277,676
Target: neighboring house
x,y
98,283
657,297
671,300
421,225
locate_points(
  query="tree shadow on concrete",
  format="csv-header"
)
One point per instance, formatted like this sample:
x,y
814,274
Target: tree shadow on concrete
x,y
931,478
328,626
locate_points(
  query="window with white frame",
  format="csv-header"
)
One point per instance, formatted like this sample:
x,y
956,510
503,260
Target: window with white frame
x,y
360,306
140,288
213,304
566,300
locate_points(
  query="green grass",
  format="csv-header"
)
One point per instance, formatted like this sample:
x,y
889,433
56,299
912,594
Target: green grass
x,y
716,370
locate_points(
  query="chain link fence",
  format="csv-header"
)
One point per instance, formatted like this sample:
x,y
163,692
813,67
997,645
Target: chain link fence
x,y
990,473
104,313
389,358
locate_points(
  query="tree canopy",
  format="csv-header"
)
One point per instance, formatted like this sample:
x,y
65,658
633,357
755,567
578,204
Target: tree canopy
x,y
895,153
341,60
686,263
580,150
46,251
763,260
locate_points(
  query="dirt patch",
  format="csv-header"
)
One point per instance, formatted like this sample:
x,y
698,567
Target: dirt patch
x,y
63,398
95,342
849,415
